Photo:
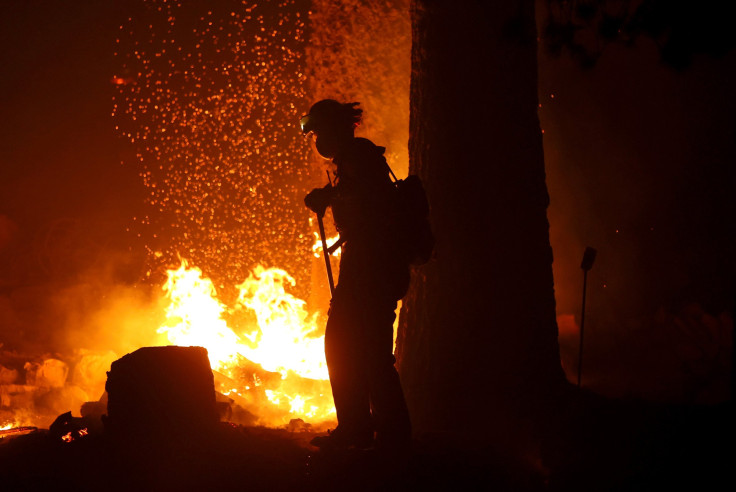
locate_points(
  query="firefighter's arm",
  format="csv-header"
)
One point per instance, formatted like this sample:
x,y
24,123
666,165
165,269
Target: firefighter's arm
x,y
319,199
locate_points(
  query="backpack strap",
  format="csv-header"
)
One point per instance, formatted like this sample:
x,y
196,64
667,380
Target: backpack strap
x,y
390,171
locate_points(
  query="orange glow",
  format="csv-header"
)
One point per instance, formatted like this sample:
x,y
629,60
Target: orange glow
x,y
317,246
286,338
210,105
213,118
194,316
270,328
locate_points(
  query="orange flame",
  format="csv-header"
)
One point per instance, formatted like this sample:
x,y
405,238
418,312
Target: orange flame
x,y
284,340
286,336
194,316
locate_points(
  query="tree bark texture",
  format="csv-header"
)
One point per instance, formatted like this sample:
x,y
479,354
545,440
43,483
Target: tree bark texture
x,y
478,335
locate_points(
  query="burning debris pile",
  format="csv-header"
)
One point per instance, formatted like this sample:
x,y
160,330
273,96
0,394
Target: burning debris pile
x,y
266,353
34,390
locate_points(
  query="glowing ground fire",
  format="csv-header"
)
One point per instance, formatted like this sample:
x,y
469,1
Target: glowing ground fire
x,y
271,328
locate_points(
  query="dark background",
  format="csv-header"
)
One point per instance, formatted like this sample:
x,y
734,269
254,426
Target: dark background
x,y
640,161
66,199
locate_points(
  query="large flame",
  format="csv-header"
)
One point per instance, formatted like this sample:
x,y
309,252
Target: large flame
x,y
286,338
195,316
270,328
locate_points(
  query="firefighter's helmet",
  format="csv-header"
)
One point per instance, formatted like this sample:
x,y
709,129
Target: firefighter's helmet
x,y
330,114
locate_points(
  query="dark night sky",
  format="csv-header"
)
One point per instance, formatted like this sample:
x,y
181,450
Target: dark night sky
x,y
631,145
61,160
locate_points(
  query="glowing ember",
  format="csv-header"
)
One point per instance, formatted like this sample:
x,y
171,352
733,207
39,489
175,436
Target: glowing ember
x,y
209,94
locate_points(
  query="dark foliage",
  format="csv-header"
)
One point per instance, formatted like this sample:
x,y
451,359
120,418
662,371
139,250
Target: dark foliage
x,y
682,29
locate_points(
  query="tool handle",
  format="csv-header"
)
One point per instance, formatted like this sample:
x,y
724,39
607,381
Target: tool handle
x,y
323,236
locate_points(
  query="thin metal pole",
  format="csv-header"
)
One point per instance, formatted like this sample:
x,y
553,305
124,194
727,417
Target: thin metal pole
x,y
582,328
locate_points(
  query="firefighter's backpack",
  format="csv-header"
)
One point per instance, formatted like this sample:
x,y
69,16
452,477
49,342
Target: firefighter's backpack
x,y
416,237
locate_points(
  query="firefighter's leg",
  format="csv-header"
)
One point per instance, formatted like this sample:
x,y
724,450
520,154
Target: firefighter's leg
x,y
391,417
347,377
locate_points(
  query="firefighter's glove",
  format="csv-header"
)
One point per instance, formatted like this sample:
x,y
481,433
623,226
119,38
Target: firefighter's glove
x,y
319,199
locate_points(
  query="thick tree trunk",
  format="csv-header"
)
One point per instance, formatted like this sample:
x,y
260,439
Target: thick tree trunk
x,y
478,336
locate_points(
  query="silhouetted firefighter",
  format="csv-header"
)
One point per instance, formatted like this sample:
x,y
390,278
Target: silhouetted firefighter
x,y
374,275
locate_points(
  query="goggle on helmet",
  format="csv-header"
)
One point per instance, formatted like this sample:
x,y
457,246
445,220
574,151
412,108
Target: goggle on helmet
x,y
307,124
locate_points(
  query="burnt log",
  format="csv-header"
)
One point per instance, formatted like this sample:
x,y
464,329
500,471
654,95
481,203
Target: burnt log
x,y
157,390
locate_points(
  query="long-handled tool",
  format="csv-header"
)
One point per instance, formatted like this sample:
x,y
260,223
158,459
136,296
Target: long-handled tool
x,y
326,252
587,264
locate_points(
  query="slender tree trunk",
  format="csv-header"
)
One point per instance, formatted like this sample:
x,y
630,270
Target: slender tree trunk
x,y
478,337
